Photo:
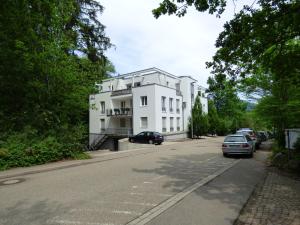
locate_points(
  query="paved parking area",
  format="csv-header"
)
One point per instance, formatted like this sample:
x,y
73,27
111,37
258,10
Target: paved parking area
x,y
112,191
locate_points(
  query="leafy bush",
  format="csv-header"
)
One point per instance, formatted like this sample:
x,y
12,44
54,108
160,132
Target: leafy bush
x,y
29,148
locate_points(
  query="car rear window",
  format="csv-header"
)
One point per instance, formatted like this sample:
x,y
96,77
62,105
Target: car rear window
x,y
234,139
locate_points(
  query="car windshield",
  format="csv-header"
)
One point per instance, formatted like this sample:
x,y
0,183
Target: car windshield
x,y
234,139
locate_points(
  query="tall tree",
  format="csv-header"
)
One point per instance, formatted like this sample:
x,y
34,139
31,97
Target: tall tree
x,y
213,118
198,121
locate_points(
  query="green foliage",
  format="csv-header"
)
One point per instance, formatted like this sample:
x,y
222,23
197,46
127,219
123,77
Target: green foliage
x,y
198,123
52,53
260,50
180,8
213,118
27,148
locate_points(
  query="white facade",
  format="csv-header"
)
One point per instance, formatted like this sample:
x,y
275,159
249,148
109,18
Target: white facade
x,y
133,102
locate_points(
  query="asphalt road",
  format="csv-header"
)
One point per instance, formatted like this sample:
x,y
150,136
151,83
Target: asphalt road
x,y
125,189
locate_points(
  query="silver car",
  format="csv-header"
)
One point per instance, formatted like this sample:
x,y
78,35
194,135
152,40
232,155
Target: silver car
x,y
238,144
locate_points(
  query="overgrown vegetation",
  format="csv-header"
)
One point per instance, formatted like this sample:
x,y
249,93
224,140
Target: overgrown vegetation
x,y
52,52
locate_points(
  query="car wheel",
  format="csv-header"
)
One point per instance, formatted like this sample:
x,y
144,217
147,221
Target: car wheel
x,y
150,142
131,140
225,154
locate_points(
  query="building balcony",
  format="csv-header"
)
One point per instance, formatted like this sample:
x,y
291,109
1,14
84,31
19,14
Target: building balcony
x,y
121,92
119,112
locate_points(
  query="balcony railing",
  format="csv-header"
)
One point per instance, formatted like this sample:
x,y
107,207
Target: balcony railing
x,y
121,92
119,112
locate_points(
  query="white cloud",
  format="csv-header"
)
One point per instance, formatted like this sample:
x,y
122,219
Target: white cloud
x,y
178,45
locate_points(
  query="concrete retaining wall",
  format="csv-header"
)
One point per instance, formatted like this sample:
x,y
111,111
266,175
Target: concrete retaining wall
x,y
175,136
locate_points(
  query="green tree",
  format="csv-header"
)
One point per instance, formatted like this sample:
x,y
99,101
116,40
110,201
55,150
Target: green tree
x,y
213,118
261,50
179,7
51,56
198,124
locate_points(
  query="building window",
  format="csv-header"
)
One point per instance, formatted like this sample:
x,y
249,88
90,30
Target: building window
x,y
102,125
102,107
129,86
167,83
137,84
122,122
144,101
144,122
177,106
178,123
171,124
163,103
171,104
164,124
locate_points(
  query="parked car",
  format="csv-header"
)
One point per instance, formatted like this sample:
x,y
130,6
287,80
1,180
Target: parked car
x,y
251,134
238,144
263,135
147,137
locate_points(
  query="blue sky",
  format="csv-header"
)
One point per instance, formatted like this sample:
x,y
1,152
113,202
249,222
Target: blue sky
x,y
180,46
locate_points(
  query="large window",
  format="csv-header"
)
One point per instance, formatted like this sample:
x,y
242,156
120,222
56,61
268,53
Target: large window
x,y
164,124
178,124
144,101
177,106
102,107
171,104
144,122
171,124
163,103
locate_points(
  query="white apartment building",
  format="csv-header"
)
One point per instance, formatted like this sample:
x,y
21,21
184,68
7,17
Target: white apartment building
x,y
150,99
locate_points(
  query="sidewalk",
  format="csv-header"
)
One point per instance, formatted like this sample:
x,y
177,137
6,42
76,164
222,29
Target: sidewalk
x,y
275,201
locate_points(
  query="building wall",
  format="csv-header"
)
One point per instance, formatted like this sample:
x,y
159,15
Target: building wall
x,y
168,93
143,111
95,111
